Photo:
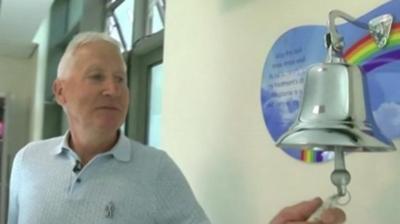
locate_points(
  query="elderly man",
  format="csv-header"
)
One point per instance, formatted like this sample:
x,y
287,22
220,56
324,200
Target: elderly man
x,y
95,174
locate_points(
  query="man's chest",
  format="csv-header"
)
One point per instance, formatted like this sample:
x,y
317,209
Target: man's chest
x,y
62,196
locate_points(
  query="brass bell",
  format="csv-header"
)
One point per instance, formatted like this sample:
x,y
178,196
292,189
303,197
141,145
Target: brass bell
x,y
333,112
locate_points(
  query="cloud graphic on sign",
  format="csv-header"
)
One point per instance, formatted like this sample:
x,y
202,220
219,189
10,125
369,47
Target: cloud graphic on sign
x,y
387,117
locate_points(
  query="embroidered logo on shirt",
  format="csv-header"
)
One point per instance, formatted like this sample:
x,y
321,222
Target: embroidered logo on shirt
x,y
109,210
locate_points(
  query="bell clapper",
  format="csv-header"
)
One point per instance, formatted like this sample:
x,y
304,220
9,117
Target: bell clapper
x,y
340,177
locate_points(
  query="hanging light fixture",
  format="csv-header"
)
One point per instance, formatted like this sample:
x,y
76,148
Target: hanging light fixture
x,y
333,113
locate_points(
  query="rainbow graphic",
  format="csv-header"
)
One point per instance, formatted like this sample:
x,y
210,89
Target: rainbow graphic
x,y
366,48
310,156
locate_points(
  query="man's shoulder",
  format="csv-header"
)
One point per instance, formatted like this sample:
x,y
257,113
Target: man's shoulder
x,y
145,155
45,145
46,142
145,150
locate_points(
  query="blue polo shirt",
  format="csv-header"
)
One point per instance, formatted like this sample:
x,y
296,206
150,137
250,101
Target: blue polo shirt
x,y
131,183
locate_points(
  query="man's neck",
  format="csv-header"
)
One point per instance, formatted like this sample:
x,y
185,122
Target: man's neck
x,y
89,144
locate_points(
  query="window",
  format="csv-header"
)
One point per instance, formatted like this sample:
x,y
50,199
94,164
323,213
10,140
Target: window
x,y
154,121
156,15
119,22
139,26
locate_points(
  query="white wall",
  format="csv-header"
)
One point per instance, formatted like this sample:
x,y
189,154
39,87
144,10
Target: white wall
x,y
16,80
212,123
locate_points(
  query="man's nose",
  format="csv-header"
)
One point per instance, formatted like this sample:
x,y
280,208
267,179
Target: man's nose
x,y
111,88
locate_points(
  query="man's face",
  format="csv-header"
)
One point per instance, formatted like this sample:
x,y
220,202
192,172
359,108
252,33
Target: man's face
x,y
94,92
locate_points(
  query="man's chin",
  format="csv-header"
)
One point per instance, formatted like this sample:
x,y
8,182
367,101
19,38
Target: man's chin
x,y
109,126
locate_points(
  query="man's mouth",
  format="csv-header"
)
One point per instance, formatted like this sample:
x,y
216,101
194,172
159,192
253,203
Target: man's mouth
x,y
108,108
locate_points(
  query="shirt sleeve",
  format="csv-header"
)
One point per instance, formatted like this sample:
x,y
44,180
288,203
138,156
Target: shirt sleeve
x,y
15,182
175,201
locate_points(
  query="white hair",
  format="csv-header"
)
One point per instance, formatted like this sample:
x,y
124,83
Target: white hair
x,y
78,41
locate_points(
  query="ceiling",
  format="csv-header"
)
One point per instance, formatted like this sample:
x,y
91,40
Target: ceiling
x,y
19,21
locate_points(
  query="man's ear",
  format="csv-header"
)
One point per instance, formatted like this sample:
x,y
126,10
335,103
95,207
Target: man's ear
x,y
58,91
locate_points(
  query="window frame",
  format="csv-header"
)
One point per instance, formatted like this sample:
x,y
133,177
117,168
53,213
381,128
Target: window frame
x,y
145,54
146,51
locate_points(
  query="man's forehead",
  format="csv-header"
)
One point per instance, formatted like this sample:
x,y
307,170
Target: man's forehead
x,y
95,46
101,67
91,52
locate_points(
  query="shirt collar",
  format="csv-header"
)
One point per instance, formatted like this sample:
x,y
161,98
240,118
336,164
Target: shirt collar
x,y
63,146
120,151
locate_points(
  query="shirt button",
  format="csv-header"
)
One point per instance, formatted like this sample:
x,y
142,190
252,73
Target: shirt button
x,y
78,180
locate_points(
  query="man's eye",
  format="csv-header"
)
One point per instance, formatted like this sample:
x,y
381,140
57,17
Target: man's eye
x,y
96,77
120,79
